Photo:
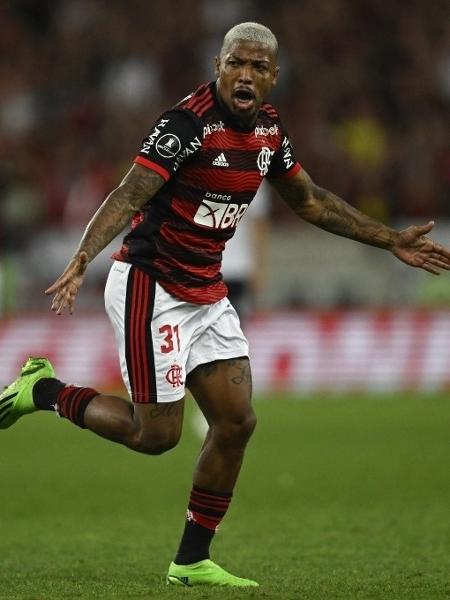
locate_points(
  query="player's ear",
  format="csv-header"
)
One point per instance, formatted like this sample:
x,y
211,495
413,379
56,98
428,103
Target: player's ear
x,y
217,66
275,76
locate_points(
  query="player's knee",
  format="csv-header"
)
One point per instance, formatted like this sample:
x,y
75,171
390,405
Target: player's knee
x,y
236,431
248,426
153,443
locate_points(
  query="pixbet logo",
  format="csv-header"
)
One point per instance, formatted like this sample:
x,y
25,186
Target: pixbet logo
x,y
265,131
213,128
263,160
218,215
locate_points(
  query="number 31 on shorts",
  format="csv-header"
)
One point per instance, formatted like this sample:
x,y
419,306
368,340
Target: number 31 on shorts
x,y
172,338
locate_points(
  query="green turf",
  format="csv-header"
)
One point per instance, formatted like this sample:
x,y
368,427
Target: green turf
x,y
341,498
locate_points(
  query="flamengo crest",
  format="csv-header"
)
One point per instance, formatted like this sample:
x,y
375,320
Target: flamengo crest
x,y
263,160
175,375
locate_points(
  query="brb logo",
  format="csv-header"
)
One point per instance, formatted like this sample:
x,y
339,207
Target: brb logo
x,y
218,215
263,160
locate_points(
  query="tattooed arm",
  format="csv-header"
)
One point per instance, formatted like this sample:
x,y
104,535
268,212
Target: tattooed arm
x,y
329,212
138,186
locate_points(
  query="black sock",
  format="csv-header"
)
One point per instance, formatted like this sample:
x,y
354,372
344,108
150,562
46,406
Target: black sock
x,y
45,392
194,545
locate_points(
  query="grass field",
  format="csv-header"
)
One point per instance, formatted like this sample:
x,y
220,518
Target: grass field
x,y
344,498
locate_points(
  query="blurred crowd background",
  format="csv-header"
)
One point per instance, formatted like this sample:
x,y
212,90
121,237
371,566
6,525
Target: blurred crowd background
x,y
364,93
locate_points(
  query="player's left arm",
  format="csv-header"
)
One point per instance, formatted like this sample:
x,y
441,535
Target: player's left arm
x,y
326,210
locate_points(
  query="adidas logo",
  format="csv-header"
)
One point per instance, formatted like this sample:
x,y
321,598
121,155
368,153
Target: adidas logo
x,y
220,161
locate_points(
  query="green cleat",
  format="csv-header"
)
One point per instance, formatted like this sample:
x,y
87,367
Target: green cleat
x,y
205,572
17,399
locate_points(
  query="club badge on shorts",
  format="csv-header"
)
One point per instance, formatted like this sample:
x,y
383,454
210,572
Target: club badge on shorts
x,y
175,375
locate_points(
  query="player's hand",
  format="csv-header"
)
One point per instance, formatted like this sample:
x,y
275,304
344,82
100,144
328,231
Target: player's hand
x,y
415,249
67,285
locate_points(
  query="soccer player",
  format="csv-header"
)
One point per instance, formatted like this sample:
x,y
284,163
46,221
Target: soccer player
x,y
196,173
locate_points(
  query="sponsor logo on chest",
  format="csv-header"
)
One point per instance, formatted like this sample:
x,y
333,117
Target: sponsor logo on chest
x,y
219,215
220,161
210,128
265,131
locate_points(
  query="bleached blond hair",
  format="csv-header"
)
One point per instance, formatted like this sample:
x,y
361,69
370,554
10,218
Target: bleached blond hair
x,y
251,32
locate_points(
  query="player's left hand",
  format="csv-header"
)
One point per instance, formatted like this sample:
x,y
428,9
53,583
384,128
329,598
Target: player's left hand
x,y
67,285
415,249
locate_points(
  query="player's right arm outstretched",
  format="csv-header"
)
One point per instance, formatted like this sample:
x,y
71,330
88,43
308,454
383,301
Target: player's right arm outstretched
x,y
138,187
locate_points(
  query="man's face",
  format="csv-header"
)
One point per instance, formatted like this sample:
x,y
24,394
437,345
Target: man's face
x,y
246,73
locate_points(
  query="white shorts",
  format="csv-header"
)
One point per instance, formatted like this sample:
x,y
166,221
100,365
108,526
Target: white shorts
x,y
161,339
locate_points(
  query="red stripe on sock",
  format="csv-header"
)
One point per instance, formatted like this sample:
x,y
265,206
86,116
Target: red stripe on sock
x,y
209,502
62,400
70,399
207,522
72,403
209,499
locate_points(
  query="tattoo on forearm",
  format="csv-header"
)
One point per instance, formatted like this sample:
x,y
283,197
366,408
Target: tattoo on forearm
x,y
337,216
117,210
328,211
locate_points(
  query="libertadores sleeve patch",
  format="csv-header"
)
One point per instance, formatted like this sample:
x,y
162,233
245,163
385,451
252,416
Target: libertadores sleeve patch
x,y
173,139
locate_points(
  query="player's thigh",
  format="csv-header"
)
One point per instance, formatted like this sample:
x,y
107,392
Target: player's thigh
x,y
219,374
223,390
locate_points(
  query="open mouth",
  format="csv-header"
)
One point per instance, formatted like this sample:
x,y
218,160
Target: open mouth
x,y
243,98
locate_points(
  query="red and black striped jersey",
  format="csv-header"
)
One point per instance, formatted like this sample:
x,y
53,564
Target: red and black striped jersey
x,y
212,169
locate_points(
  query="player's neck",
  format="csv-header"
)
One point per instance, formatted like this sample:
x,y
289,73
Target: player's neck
x,y
239,123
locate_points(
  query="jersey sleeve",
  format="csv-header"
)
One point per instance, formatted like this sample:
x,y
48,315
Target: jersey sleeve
x,y
284,163
174,138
